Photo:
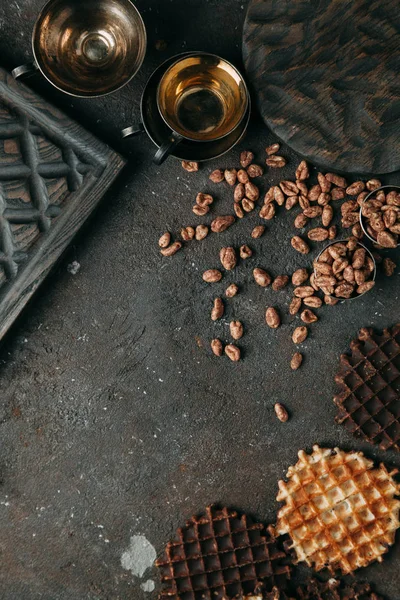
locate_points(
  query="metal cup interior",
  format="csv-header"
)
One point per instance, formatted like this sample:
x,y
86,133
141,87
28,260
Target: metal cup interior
x,y
202,97
89,48
369,254
362,221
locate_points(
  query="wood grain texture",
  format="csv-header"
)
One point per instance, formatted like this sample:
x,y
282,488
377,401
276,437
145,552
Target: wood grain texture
x,y
52,175
325,73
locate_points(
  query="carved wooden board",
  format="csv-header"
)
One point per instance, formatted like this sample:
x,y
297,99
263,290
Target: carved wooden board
x,y
325,73
52,175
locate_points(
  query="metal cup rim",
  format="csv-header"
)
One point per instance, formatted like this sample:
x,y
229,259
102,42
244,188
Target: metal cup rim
x,y
184,55
361,216
142,56
365,248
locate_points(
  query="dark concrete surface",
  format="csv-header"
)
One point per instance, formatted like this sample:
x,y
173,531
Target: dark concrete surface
x,y
115,420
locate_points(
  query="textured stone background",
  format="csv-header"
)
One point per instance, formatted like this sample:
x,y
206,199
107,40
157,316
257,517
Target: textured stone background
x,y
115,421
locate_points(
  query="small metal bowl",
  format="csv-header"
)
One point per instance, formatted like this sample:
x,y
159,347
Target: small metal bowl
x,y
87,48
363,227
368,252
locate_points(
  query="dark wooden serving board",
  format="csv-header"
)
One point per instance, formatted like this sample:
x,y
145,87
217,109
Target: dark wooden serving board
x,y
325,74
53,173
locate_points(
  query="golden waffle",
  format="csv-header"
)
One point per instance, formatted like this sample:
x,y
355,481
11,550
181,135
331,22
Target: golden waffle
x,y
339,511
221,555
369,382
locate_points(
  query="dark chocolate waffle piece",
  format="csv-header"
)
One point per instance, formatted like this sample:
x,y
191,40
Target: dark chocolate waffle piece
x,y
221,555
369,382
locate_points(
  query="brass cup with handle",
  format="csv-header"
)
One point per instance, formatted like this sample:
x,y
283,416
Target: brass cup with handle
x,y
87,48
202,98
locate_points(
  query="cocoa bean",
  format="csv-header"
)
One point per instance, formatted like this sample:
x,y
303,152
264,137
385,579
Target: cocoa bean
x,y
257,231
200,211
232,352
164,240
302,172
281,412
272,149
246,158
300,245
236,329
355,188
336,180
296,361
247,205
239,193
228,258
295,306
280,282
289,188
217,176
212,276
389,266
313,301
267,212
255,171
171,250
242,176
261,277
325,185
312,212
245,252
301,221
252,191
231,291
304,291
327,215
373,184
221,223
307,316
217,347
300,334
218,309
190,166
275,162
299,276
201,232
272,317
230,176
187,233
204,199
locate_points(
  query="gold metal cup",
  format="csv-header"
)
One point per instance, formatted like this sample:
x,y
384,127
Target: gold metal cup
x,y
202,98
87,48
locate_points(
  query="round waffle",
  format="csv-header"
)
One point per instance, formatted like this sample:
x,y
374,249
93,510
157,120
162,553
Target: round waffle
x,y
369,382
340,512
221,555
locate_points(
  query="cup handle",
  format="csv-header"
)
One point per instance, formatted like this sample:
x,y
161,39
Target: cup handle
x,y
25,70
166,148
132,131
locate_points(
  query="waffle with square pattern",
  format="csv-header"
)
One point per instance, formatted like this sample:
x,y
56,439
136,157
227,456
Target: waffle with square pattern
x,y
369,381
339,511
221,555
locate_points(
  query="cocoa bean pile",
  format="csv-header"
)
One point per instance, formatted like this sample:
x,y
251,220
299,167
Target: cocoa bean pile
x,y
343,270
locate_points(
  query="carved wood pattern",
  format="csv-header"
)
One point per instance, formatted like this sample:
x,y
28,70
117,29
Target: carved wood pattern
x,y
52,175
325,73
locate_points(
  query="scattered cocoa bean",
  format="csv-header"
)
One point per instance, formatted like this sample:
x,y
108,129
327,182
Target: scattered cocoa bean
x,y
386,239
230,176
171,250
232,352
312,301
261,277
289,188
327,215
242,176
267,212
337,194
302,172
187,233
278,195
231,291
254,171
389,266
312,212
365,287
204,199
272,149
239,193
238,210
295,306
324,183
275,162
314,193
280,282
300,334
300,245
221,223
281,412
301,221
228,258
324,198
303,201
304,291
246,158
257,231
331,300
332,232
299,276
318,234
218,309
236,329
201,232
291,201
217,347
190,166
217,176
308,317
164,240
303,189
252,191
296,361
212,276
355,188
373,184
336,180
247,205
272,317
200,211
245,252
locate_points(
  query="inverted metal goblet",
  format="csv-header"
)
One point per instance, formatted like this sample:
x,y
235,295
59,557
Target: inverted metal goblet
x,y
87,48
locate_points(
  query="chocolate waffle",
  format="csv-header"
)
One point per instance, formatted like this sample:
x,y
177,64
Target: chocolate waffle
x,y
369,381
221,555
340,512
